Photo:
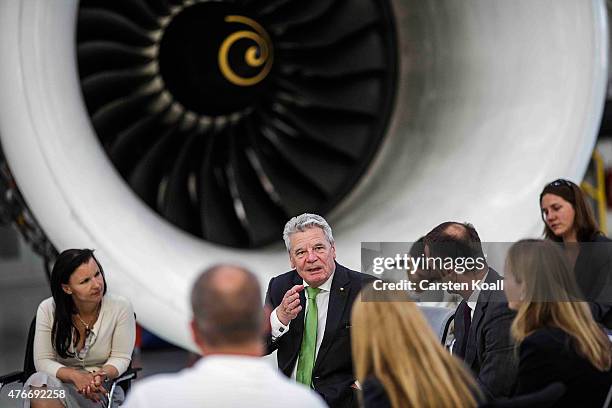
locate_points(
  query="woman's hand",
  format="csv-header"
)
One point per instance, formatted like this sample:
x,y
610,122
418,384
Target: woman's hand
x,y
95,393
81,379
96,388
99,377
85,383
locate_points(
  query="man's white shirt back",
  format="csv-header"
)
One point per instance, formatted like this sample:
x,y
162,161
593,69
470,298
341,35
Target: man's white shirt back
x,y
223,381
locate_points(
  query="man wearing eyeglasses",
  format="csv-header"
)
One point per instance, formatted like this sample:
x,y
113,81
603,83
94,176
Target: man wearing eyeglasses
x,y
311,307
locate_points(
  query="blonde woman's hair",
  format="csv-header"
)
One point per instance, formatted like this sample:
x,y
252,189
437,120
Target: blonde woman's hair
x,y
551,298
392,341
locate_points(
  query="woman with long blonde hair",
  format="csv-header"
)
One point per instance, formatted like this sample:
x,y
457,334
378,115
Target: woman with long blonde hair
x,y
398,359
558,339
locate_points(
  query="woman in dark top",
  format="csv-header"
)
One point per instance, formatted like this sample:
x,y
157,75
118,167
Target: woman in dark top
x,y
558,339
398,360
568,220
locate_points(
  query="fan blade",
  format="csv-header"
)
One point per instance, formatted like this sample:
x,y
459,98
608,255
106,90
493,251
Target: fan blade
x,y
340,97
322,172
296,193
100,56
118,115
219,221
159,7
137,11
293,125
147,178
340,63
133,143
104,25
299,14
345,22
101,89
257,213
177,206
347,138
274,6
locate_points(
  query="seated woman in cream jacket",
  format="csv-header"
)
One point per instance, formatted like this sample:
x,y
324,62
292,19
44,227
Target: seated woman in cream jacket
x,y
83,338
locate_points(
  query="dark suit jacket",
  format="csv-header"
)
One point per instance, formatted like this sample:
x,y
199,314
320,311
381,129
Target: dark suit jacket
x,y
546,356
593,270
490,349
374,394
332,375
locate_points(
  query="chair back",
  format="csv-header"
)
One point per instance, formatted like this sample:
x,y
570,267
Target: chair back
x,y
28,360
608,402
439,318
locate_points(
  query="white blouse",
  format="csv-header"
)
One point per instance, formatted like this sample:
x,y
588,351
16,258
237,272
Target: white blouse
x,y
113,338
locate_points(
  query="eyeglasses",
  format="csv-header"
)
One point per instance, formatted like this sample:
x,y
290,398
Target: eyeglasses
x,y
560,182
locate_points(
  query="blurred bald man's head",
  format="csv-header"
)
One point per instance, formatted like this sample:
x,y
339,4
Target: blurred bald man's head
x,y
454,239
227,306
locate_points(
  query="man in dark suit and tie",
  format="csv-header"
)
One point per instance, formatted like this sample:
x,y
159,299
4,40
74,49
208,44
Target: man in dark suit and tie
x,y
311,307
482,319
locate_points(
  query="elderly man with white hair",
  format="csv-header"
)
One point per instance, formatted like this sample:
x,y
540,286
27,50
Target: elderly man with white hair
x,y
311,306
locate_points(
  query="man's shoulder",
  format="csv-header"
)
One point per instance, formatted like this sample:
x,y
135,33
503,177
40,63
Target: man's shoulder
x,y
493,276
157,389
497,312
165,388
162,380
287,276
496,299
354,275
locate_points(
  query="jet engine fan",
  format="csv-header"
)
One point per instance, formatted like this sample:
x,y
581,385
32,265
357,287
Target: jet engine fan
x,y
172,134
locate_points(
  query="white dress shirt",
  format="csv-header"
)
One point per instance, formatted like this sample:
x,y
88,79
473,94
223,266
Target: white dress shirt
x,y
473,299
322,299
223,381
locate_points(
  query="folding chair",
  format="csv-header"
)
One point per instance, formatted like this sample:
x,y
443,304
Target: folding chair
x,y
124,380
439,318
608,402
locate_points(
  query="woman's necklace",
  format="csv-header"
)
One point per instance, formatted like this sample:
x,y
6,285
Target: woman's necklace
x,y
86,325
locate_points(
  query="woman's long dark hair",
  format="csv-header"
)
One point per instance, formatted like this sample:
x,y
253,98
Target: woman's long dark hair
x,y
65,264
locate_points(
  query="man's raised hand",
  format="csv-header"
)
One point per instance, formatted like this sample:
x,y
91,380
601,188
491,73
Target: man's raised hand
x,y
290,306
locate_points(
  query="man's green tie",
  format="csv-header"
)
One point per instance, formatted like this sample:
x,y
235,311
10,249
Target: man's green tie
x,y
309,340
